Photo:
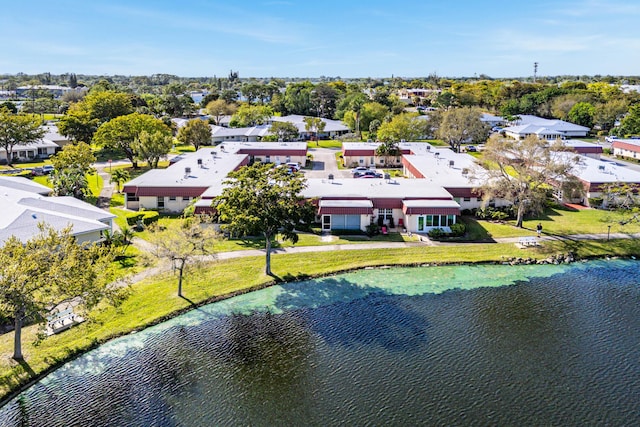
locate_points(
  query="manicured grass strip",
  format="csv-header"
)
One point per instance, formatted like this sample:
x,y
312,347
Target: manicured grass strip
x,y
155,299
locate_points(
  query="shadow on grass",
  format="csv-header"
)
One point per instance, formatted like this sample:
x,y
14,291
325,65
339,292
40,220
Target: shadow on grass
x,y
191,303
27,368
475,232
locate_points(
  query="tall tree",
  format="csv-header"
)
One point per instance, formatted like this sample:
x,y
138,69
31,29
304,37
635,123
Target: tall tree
x,y
582,114
220,108
409,127
460,125
18,129
630,124
78,125
284,131
152,146
106,105
182,244
315,125
196,132
250,115
48,270
523,172
122,132
261,200
389,149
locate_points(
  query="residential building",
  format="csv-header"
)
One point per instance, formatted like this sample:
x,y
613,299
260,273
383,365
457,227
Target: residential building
x,y
42,149
549,129
629,148
25,206
172,189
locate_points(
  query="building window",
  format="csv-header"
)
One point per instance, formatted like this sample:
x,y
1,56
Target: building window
x,y
160,202
467,199
478,199
287,159
131,197
172,198
385,214
361,161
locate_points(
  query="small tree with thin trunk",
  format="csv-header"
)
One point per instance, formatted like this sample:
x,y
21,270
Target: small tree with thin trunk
x,y
48,270
119,176
183,244
262,200
315,125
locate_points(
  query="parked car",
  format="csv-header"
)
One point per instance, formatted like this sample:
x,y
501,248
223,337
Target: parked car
x,y
295,167
359,169
368,174
38,171
610,138
471,148
47,169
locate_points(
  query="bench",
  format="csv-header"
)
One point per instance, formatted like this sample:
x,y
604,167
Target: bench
x,y
62,320
528,241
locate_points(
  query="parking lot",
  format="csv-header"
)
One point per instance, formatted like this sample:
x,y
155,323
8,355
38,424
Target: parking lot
x,y
324,164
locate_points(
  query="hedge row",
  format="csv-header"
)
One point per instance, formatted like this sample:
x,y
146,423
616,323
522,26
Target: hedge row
x,y
147,217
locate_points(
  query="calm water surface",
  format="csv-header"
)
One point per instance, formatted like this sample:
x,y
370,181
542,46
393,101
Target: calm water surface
x,y
465,345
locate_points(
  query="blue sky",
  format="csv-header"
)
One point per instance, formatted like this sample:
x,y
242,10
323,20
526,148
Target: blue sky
x,y
290,38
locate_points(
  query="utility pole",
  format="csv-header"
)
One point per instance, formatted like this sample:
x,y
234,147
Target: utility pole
x,y
535,71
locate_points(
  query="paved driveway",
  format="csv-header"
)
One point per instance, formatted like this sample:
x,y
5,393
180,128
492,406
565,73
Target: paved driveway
x,y
324,163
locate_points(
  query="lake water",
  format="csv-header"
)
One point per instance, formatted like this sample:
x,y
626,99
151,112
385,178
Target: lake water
x,y
463,345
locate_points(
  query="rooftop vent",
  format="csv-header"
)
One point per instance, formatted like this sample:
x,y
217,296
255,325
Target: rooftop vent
x,y
330,177
451,163
436,154
187,171
428,148
601,167
200,162
465,171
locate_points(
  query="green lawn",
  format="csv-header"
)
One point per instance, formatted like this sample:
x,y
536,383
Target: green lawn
x,y
558,220
155,299
325,143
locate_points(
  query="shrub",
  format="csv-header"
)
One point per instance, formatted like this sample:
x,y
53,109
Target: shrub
x,y
595,202
373,230
436,233
458,229
147,217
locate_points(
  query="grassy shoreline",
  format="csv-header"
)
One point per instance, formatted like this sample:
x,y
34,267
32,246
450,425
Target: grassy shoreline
x,y
154,300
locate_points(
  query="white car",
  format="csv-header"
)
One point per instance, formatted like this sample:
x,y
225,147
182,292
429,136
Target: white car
x,y
610,138
359,169
295,167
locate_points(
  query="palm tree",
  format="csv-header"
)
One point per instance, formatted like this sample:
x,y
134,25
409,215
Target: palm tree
x,y
118,176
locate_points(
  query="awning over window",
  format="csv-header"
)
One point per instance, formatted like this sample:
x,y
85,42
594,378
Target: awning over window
x,y
430,207
345,207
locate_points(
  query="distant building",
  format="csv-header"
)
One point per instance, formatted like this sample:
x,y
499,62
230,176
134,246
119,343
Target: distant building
x,y
56,91
544,128
629,148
